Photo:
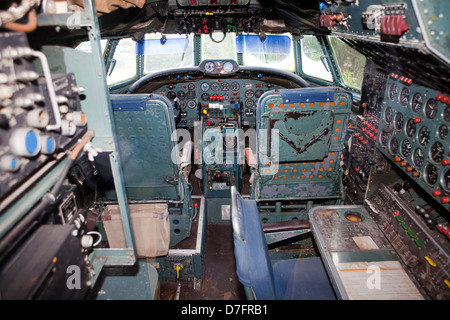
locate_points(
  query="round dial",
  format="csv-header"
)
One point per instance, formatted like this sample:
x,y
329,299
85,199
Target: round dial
x,y
418,157
431,174
446,114
204,86
235,86
258,93
191,104
215,86
416,102
406,148
210,66
393,145
249,103
249,93
443,132
190,94
445,181
393,91
191,86
205,96
227,66
171,95
410,128
431,108
181,95
384,138
225,86
424,135
399,120
404,96
388,114
437,152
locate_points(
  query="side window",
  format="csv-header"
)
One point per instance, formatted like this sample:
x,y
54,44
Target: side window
x,y
125,62
311,53
350,62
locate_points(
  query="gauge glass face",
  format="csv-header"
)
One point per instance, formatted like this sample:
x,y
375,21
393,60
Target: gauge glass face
x,y
210,66
204,86
388,114
191,86
384,138
431,109
416,102
191,104
393,145
437,152
393,91
445,181
418,157
404,96
181,95
431,174
249,103
446,114
424,136
225,86
399,120
215,86
249,93
227,66
258,93
443,132
406,148
410,128
235,86
171,95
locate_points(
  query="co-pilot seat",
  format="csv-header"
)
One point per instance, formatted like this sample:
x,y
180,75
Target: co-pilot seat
x,y
155,172
293,279
299,144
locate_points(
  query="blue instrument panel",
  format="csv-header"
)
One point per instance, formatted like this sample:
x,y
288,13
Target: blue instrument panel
x,y
191,97
413,133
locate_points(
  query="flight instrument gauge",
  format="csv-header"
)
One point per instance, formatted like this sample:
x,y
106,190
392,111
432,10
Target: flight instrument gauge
x,y
416,102
410,128
210,66
418,157
437,152
431,174
393,145
393,91
227,66
404,96
445,182
431,108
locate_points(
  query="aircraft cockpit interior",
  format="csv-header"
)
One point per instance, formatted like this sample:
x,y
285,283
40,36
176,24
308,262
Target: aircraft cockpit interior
x,y
224,150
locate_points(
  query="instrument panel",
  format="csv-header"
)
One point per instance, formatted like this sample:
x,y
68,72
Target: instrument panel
x,y
413,132
191,97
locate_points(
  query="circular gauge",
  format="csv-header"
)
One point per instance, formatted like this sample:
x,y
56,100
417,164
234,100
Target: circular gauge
x,y
224,86
437,152
418,157
258,93
445,180
171,95
181,95
431,174
446,114
210,66
410,128
443,132
384,138
249,103
399,120
388,114
393,145
424,136
190,94
182,104
191,104
204,86
235,86
431,108
249,93
205,96
215,86
191,86
416,102
228,66
404,96
393,91
406,148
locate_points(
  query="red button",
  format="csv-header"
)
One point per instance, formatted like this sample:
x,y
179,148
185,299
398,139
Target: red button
x,y
444,200
436,193
416,120
445,162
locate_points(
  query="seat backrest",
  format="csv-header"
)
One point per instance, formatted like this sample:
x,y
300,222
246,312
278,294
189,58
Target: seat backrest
x,y
250,247
300,141
144,125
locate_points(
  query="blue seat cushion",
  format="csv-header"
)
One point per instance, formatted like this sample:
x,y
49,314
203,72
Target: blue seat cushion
x,y
302,279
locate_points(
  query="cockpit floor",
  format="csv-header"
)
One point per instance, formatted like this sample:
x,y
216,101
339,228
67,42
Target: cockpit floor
x,y
219,281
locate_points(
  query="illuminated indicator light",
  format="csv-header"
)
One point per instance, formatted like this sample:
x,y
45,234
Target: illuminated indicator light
x,y
281,105
276,178
322,104
335,138
338,121
436,193
331,103
330,169
416,120
445,99
445,162
295,170
311,176
311,104
286,170
439,97
205,111
293,177
320,176
337,129
302,104
331,161
196,204
430,261
396,213
54,260
284,177
445,200
291,105
270,105
321,169
341,103
210,187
